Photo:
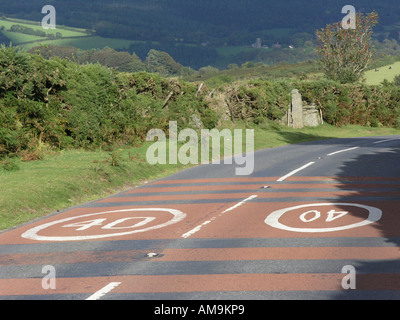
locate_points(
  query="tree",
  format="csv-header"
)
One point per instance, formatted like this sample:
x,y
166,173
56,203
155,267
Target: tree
x,y
161,62
49,51
345,53
396,80
121,61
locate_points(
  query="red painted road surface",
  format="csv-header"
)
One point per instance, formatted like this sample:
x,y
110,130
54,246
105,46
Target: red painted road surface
x,y
212,237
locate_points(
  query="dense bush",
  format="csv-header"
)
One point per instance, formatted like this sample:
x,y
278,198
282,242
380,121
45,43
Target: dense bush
x,y
259,100
60,104
56,103
361,104
26,30
341,104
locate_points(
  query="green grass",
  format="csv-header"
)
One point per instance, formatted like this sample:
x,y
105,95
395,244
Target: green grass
x,y
71,177
376,77
36,25
18,38
84,43
70,37
68,178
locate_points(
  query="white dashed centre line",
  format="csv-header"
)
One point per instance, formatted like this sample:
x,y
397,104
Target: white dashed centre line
x,y
196,229
382,141
97,295
295,171
344,150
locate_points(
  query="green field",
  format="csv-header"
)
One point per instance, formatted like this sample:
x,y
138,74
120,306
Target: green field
x,y
78,38
70,37
84,43
376,77
66,31
20,38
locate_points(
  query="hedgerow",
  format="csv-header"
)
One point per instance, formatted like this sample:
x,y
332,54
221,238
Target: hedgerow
x,y
341,104
59,104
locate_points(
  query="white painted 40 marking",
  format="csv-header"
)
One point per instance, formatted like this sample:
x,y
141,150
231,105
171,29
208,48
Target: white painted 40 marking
x,y
374,214
331,215
84,225
128,225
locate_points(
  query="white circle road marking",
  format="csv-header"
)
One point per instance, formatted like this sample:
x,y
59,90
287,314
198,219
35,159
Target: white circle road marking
x,y
374,214
33,233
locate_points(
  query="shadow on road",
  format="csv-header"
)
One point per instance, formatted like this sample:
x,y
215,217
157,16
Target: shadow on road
x,y
378,279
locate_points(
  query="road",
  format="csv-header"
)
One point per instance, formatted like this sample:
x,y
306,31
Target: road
x,y
288,231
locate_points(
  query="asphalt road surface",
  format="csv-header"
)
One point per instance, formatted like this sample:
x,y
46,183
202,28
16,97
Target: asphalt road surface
x,y
317,220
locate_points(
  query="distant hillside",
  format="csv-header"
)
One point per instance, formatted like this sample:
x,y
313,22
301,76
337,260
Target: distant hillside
x,y
196,33
233,21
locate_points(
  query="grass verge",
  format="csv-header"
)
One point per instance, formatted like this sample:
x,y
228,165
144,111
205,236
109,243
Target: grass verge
x,y
385,73
63,179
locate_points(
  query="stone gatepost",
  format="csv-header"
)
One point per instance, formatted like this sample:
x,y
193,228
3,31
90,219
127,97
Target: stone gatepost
x,y
297,110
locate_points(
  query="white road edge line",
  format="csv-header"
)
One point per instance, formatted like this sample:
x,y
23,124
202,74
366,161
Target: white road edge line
x,y
295,171
196,229
344,150
97,295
